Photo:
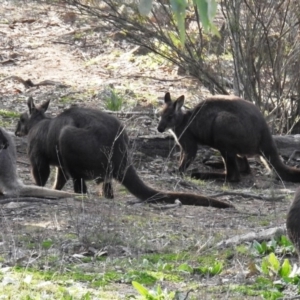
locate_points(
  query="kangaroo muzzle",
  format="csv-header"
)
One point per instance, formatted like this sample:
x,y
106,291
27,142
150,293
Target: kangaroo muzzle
x,y
161,128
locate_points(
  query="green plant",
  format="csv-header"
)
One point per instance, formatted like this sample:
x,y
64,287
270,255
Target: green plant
x,y
113,101
279,245
9,114
47,244
271,267
157,294
211,270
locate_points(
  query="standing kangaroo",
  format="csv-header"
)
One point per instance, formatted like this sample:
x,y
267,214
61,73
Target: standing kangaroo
x,y
229,124
293,222
87,144
10,184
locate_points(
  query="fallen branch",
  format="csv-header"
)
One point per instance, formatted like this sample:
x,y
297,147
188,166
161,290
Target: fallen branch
x,y
249,195
266,234
28,83
7,199
7,61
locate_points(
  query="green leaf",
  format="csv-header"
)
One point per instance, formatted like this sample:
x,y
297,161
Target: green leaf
x,y
265,266
178,7
264,247
258,247
141,289
158,290
145,7
207,10
272,245
217,268
185,268
274,262
286,268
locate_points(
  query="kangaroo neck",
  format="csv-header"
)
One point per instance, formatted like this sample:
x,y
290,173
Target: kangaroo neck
x,y
37,120
184,124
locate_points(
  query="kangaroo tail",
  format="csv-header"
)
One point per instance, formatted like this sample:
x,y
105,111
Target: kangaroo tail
x,y
138,188
36,191
197,200
269,151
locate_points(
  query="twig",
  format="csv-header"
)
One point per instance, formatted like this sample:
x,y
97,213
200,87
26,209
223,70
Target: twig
x,y
7,199
293,155
249,195
28,83
155,78
7,61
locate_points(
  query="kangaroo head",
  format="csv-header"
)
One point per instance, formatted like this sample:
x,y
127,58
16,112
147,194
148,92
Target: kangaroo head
x,y
172,114
36,114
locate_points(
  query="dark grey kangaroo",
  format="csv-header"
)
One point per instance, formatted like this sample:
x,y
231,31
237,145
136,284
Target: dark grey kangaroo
x,y
87,144
10,183
293,222
229,124
3,140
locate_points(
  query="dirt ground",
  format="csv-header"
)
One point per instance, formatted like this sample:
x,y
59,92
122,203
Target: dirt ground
x,y
41,42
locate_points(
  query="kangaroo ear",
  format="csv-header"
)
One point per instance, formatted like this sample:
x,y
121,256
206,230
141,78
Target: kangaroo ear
x,y
44,106
179,103
167,98
30,104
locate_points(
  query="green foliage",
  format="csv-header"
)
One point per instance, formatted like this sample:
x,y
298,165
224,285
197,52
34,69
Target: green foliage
x,y
141,276
113,101
179,8
212,269
47,244
284,273
206,10
280,245
157,294
271,295
9,114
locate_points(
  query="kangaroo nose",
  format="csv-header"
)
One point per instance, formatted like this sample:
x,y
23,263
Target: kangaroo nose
x,y
160,129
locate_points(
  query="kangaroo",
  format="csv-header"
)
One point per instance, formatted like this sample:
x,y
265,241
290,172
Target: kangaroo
x,y
3,141
293,222
229,124
10,183
88,144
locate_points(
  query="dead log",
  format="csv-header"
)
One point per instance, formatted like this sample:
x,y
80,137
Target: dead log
x,y
155,145
164,146
262,235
